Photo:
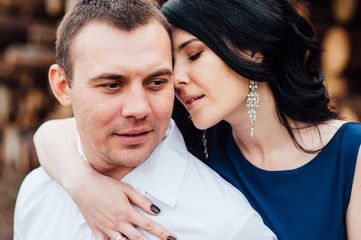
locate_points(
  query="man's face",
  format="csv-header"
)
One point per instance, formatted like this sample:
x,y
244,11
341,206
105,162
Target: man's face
x,y
122,93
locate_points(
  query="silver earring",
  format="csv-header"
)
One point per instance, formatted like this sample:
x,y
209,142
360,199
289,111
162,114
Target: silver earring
x,y
252,104
204,141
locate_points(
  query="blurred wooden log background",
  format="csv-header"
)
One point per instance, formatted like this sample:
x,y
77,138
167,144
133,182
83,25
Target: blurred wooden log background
x,y
27,35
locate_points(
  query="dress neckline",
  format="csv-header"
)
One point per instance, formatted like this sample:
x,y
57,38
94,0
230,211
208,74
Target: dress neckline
x,y
233,150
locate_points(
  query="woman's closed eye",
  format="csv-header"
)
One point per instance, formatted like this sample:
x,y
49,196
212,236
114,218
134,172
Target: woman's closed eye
x,y
195,56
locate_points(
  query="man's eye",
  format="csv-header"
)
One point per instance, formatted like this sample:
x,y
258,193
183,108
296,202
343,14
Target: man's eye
x,y
156,84
195,56
112,85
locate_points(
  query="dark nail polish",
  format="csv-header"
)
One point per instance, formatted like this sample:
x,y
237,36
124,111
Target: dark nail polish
x,y
157,5
155,209
171,238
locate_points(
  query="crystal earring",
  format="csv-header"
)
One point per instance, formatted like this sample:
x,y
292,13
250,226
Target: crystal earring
x,y
252,104
204,141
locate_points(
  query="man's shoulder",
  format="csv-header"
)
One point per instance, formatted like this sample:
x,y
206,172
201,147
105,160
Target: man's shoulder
x,y
37,188
43,204
36,180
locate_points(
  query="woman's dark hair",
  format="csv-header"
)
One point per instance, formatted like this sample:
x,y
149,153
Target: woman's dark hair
x,y
276,30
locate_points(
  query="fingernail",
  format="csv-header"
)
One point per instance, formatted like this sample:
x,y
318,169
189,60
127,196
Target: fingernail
x,y
157,5
171,238
155,209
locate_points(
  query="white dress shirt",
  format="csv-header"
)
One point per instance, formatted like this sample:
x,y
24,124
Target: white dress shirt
x,y
195,202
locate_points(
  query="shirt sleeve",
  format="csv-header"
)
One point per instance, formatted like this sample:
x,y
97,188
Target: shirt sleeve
x,y
17,231
27,201
17,217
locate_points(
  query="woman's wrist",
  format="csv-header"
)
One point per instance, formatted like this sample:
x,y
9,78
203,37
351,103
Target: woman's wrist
x,y
74,181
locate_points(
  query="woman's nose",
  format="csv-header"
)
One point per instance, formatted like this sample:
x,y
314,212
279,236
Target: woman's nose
x,y
180,79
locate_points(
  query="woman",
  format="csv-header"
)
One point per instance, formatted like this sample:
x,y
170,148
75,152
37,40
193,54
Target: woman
x,y
244,69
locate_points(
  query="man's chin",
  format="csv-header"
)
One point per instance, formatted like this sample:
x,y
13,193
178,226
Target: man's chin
x,y
133,157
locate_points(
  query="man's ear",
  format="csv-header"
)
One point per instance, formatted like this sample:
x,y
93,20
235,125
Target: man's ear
x,y
59,85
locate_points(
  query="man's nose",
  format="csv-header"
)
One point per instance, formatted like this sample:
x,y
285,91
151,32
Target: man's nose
x,y
136,104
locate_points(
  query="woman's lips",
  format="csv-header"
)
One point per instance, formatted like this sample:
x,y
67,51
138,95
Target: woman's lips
x,y
191,101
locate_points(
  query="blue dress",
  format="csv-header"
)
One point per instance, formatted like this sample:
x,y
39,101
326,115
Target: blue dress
x,y
309,202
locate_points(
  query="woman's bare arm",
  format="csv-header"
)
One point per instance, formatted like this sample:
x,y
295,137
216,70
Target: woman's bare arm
x,y
353,215
103,201
56,140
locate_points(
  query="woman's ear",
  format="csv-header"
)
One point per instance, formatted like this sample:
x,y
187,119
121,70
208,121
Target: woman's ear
x,y
257,57
253,56
59,85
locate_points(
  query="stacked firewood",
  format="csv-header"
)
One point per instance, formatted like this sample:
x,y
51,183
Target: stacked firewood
x,y
27,35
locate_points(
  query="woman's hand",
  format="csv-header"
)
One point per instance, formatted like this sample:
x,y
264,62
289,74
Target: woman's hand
x,y
106,206
104,202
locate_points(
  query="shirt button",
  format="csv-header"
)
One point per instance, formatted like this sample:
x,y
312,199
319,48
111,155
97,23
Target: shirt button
x,y
82,236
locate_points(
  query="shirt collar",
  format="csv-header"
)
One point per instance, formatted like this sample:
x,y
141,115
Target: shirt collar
x,y
161,175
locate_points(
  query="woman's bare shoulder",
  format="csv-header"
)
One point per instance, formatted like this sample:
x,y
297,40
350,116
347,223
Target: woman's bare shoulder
x,y
330,128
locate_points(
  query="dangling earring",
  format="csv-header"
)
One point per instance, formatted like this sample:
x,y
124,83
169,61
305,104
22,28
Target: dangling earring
x,y
252,104
204,141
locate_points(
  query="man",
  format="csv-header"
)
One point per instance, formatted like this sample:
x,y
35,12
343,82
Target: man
x,y
115,70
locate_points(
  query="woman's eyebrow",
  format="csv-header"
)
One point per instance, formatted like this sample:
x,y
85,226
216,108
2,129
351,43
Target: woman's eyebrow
x,y
183,45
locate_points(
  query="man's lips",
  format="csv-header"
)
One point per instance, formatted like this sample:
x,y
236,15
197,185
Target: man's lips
x,y
133,137
133,132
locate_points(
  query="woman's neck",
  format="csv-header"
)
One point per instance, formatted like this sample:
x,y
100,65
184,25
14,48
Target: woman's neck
x,y
272,147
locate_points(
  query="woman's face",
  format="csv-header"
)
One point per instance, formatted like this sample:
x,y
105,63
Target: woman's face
x,y
209,89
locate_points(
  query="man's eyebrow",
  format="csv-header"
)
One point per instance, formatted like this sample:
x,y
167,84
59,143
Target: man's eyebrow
x,y
105,76
114,76
183,45
161,72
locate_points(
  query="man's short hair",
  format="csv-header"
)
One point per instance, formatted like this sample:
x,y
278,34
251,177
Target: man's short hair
x,y
126,15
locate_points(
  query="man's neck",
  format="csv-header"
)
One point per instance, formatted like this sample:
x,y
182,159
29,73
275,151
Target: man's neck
x,y
105,168
116,173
